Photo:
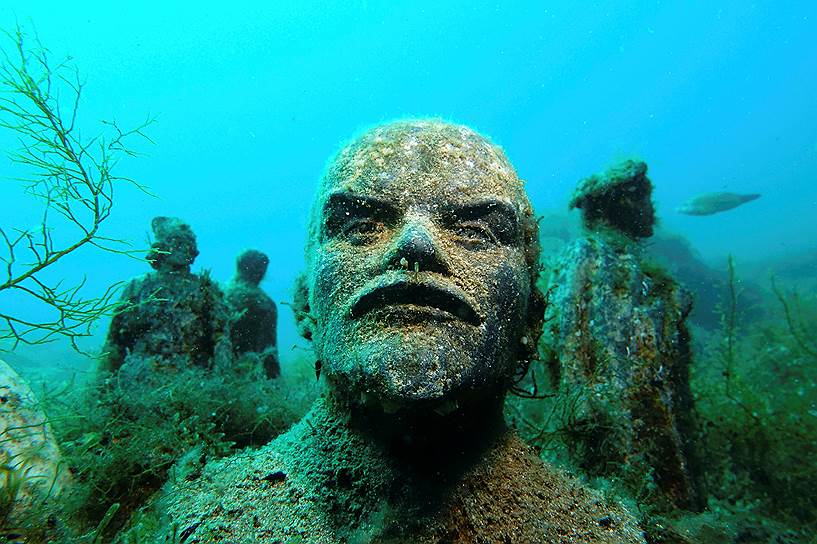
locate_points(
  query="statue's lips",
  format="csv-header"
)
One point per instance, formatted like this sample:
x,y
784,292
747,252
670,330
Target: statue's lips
x,y
416,294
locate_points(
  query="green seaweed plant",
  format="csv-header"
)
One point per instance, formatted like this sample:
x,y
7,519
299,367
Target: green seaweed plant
x,y
73,178
12,478
756,389
124,435
797,324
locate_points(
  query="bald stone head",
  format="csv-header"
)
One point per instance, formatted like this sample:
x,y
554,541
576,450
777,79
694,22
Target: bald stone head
x,y
251,266
174,248
422,260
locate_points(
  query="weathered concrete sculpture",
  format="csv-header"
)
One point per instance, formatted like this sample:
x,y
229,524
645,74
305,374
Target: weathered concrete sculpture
x,y
170,316
254,316
420,298
621,345
618,201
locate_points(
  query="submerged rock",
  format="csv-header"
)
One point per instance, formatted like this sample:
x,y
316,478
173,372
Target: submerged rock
x,y
30,459
621,354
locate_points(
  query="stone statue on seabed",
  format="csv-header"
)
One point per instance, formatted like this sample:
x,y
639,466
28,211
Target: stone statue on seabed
x,y
254,317
170,317
420,299
620,344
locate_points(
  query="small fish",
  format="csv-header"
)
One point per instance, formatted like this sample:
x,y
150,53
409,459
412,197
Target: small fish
x,y
710,203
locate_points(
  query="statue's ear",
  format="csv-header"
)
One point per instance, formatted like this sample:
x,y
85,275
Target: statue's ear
x,y
300,305
536,320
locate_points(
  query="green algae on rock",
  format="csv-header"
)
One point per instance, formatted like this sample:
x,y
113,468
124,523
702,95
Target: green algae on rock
x,y
31,467
420,298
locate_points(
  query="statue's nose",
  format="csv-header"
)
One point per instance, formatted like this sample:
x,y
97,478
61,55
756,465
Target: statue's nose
x,y
415,248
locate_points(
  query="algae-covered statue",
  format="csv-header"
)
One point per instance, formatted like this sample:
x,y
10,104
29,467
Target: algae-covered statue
x,y
420,299
621,346
170,316
254,315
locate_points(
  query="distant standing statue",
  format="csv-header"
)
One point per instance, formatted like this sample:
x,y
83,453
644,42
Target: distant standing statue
x,y
171,316
621,347
253,313
420,299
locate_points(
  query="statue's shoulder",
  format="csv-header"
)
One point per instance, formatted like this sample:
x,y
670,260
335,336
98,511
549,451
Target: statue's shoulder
x,y
536,502
252,496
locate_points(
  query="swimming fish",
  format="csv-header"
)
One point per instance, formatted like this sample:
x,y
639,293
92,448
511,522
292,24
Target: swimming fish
x,y
710,203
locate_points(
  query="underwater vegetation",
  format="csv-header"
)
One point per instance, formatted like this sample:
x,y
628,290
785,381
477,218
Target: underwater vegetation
x,y
159,394
708,434
121,437
756,397
709,285
74,179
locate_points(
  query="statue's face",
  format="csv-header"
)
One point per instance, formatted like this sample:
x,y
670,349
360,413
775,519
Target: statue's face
x,y
175,246
418,279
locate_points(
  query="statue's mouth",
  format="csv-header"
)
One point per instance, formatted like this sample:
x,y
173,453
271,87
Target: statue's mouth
x,y
416,295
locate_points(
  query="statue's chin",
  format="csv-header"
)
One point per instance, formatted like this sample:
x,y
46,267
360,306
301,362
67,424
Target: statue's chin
x,y
409,379
430,366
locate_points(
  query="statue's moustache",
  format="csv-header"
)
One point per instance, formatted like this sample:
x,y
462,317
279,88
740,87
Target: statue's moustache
x,y
427,293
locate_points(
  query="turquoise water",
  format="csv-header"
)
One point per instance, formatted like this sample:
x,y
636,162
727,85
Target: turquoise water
x,y
251,99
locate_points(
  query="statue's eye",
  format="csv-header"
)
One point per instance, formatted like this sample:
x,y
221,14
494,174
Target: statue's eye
x,y
474,235
362,231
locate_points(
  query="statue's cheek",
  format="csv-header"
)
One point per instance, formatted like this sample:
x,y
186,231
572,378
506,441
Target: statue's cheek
x,y
508,283
337,273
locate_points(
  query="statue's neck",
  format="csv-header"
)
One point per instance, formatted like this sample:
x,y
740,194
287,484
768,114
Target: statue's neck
x,y
421,440
405,463
167,271
246,283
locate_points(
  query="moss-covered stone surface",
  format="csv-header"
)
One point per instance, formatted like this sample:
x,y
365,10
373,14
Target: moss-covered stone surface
x,y
324,482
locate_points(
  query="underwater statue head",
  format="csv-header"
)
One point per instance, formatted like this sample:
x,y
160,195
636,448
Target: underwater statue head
x,y
420,298
620,200
251,266
422,261
174,248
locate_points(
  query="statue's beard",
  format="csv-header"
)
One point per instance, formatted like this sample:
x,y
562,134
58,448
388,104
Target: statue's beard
x,y
428,362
